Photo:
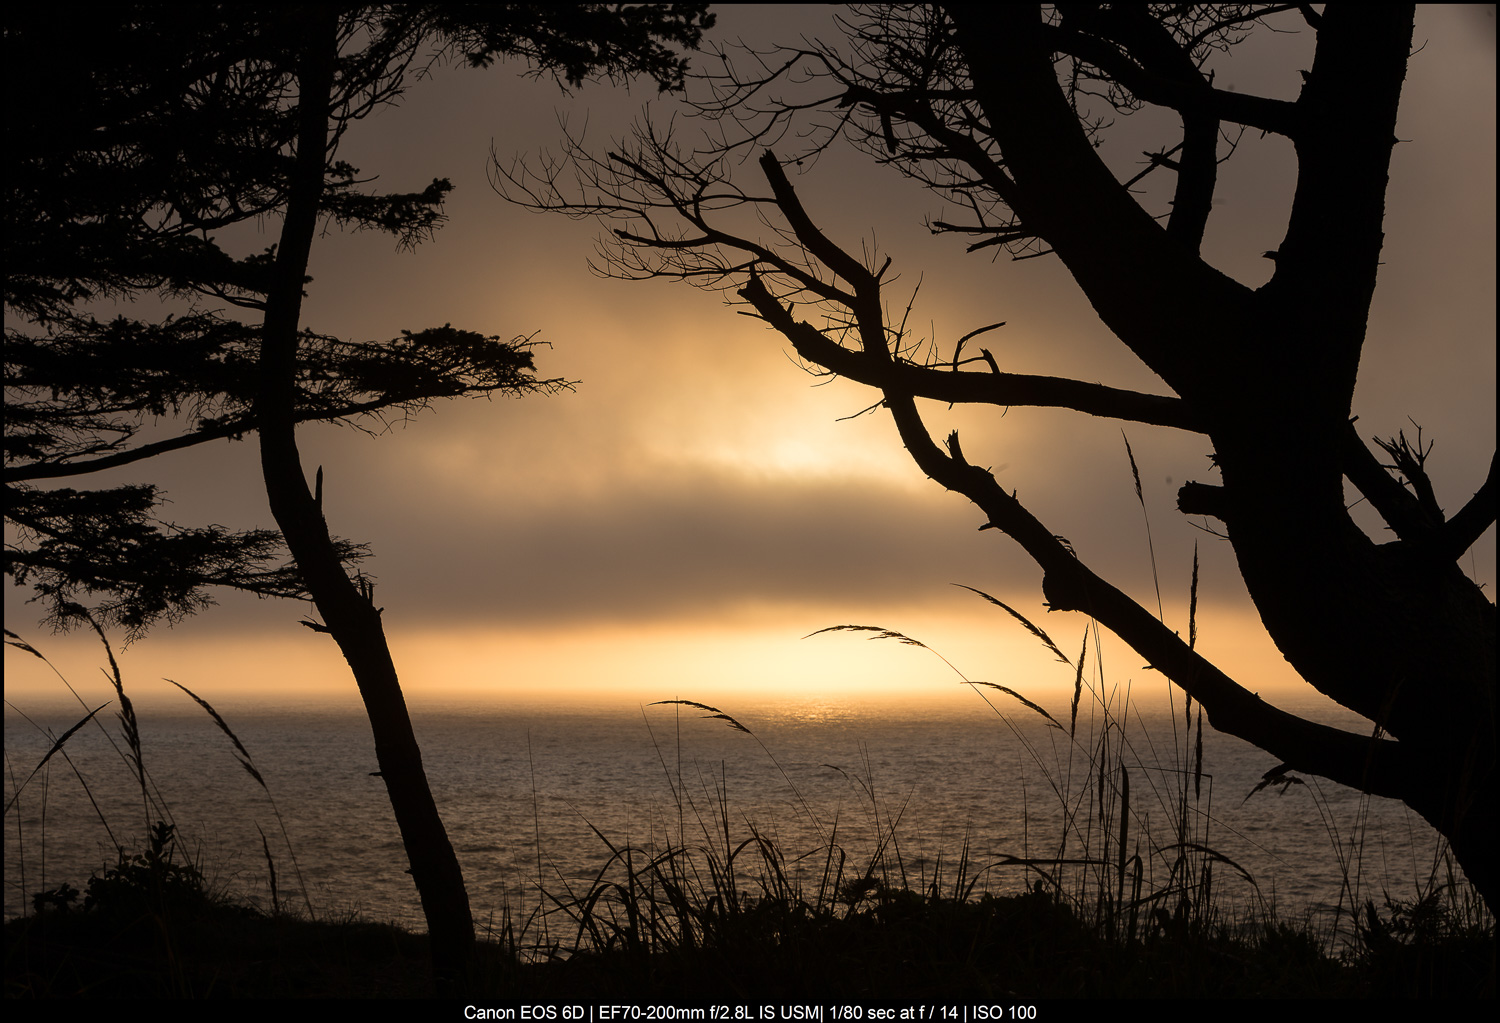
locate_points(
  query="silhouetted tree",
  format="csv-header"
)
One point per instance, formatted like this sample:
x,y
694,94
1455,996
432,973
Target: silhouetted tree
x,y
988,107
135,134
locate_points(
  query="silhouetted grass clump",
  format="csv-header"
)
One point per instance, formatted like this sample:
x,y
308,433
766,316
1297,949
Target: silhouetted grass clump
x,y
899,943
1429,947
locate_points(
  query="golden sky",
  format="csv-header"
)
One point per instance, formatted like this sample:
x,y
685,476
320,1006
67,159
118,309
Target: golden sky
x,y
699,503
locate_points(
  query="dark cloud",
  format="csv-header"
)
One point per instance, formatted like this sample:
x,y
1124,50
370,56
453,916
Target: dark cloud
x,y
694,545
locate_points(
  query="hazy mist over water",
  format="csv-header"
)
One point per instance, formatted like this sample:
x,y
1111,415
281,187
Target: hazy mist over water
x,y
527,793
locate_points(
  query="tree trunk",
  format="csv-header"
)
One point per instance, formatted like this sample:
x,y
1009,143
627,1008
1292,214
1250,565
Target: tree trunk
x,y
1392,630
347,610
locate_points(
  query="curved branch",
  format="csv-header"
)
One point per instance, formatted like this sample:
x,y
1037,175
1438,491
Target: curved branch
x,y
1272,115
1478,514
233,428
1409,516
58,470
1397,505
1163,60
1373,765
824,251
996,388
1122,259
943,385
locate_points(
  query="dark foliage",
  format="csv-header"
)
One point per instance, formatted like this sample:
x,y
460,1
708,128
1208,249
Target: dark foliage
x,y
141,132
903,945
135,137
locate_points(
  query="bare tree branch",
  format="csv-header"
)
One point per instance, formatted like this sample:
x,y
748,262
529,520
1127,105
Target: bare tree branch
x,y
1376,765
995,388
1152,86
1478,514
1397,505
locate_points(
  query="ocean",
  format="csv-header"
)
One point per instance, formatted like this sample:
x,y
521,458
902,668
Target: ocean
x,y
537,801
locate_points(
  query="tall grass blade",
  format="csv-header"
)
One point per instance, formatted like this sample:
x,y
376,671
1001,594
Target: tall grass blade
x,y
1214,856
241,754
1018,616
126,714
87,791
1124,832
19,643
1141,497
1193,602
880,633
1051,721
16,641
1198,758
271,868
714,713
1078,686
56,748
1187,706
536,825
243,758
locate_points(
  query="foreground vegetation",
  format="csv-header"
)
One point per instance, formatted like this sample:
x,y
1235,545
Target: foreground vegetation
x,y
155,932
725,913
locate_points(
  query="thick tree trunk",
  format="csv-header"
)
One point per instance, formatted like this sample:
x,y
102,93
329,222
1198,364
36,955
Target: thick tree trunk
x,y
1392,630
347,610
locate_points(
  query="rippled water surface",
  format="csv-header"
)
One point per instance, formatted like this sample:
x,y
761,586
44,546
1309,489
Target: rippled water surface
x,y
531,798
